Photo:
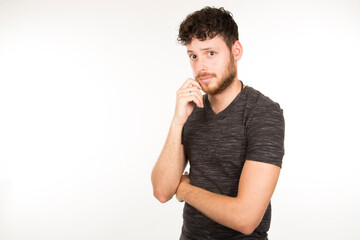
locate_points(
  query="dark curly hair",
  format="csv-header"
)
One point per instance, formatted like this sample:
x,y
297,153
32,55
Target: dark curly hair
x,y
208,23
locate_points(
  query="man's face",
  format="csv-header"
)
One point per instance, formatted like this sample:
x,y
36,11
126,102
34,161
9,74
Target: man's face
x,y
213,64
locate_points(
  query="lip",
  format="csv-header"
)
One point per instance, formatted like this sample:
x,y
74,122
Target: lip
x,y
205,79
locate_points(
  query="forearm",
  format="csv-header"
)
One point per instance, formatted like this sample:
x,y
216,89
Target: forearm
x,y
170,165
228,211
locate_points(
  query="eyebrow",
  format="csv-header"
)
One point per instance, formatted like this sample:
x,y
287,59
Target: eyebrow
x,y
203,49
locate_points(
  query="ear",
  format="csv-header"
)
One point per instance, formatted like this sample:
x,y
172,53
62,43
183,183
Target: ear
x,y
237,50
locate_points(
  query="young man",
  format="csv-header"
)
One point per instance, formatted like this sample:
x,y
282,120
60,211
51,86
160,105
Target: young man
x,y
233,138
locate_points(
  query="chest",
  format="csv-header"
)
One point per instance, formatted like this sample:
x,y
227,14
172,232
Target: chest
x,y
216,145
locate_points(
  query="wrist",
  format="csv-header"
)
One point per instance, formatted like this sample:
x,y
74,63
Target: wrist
x,y
177,124
181,191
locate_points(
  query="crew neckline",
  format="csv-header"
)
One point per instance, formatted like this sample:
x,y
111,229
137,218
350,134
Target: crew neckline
x,y
224,112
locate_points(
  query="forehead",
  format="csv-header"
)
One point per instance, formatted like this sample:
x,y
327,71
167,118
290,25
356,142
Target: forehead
x,y
197,45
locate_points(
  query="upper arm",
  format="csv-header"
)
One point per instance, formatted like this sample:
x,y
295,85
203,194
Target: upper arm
x,y
256,186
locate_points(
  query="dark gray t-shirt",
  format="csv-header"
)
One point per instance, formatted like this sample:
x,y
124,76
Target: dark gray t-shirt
x,y
217,145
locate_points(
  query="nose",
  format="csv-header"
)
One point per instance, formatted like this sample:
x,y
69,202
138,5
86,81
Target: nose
x,y
201,65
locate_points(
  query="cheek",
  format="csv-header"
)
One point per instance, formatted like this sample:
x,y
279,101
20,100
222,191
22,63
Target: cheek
x,y
216,68
193,66
222,65
217,64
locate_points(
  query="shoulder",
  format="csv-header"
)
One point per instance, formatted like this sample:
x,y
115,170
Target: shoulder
x,y
262,113
256,101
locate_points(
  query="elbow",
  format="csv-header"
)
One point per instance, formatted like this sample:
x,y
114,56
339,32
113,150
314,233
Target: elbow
x,y
162,192
159,195
247,230
245,225
162,198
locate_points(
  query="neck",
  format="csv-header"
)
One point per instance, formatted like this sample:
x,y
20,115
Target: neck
x,y
220,101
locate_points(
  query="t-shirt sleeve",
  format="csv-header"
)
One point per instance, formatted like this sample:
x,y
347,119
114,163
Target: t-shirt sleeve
x,y
265,134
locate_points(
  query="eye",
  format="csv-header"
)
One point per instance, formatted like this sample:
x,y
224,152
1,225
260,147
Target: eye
x,y
211,53
192,56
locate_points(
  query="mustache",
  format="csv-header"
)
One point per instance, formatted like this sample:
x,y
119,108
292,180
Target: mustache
x,y
204,74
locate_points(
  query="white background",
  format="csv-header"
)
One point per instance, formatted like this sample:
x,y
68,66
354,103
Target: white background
x,y
87,93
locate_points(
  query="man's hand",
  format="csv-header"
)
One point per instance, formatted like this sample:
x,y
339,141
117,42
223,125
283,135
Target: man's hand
x,y
184,180
187,96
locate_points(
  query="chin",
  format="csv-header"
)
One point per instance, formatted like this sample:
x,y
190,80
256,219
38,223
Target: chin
x,y
210,89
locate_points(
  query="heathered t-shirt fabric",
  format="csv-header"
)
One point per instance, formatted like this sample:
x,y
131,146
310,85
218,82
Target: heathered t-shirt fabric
x,y
217,145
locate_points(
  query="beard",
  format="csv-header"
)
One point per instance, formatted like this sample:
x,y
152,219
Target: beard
x,y
226,79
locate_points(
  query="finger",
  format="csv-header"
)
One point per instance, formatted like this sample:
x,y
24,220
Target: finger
x,y
195,92
190,82
187,90
195,99
199,94
200,98
191,98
